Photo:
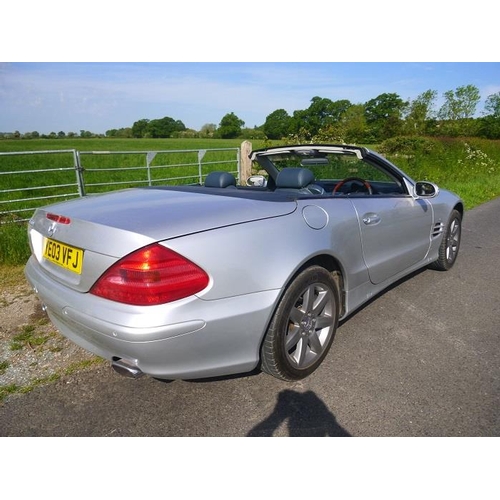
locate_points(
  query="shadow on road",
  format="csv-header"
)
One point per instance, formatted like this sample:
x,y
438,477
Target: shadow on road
x,y
304,414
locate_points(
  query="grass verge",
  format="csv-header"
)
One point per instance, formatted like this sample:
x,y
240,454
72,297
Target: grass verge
x,y
11,275
14,246
8,390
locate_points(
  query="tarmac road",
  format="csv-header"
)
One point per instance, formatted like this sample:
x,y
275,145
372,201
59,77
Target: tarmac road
x,y
422,359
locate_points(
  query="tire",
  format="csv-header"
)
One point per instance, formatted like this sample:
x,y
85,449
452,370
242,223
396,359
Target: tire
x,y
450,245
303,326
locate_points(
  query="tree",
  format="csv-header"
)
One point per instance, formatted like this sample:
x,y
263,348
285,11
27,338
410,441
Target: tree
x,y
254,134
458,110
383,115
322,113
420,112
122,132
383,107
208,130
139,128
299,127
489,125
230,126
492,105
354,123
61,134
351,127
188,133
460,104
164,127
317,115
339,108
277,124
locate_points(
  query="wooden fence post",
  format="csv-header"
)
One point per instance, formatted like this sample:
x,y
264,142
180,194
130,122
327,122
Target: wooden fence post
x,y
246,163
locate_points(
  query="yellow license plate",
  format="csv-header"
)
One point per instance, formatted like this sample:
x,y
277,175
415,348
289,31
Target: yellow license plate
x,y
70,258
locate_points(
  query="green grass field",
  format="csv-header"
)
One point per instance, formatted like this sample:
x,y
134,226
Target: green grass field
x,y
118,144
46,173
469,167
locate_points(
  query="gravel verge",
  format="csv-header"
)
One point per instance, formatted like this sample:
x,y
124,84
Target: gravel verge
x,y
31,348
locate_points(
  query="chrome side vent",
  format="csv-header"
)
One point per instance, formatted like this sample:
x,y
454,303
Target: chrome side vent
x,y
437,229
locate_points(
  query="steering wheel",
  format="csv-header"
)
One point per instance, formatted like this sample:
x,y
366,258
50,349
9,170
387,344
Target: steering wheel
x,y
349,179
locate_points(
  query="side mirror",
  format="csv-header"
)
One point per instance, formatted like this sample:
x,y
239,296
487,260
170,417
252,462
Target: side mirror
x,y
426,189
257,181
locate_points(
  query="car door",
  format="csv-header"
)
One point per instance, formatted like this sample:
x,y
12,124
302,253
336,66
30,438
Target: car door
x,y
395,233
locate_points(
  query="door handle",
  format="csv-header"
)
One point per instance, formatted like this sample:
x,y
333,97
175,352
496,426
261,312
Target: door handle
x,y
370,219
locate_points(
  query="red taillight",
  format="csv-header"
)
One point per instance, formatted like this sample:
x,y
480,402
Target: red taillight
x,y
59,218
150,276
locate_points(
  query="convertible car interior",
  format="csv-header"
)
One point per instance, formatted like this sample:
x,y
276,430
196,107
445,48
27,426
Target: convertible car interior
x,y
318,174
220,180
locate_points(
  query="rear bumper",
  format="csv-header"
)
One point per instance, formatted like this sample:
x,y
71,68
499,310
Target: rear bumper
x,y
189,338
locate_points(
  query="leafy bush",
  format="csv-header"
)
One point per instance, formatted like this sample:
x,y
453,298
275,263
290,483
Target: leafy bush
x,y
410,146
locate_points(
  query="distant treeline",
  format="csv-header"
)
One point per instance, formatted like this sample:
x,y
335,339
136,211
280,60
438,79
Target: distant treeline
x,y
383,117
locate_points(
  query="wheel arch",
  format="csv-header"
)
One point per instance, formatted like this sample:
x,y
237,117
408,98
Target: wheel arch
x,y
269,356
328,262
460,207
333,266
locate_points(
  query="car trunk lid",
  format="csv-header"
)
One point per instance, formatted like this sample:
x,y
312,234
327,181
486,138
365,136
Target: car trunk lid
x,y
76,241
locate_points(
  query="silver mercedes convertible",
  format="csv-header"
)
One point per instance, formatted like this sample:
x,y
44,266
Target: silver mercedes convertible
x,y
198,281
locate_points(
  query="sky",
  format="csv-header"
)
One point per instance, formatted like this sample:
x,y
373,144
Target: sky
x,y
68,68
73,96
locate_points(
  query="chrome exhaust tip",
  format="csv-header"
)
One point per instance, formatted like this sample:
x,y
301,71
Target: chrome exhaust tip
x,y
126,368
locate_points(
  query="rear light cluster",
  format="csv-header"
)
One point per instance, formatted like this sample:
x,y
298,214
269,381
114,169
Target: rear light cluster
x,y
58,218
150,276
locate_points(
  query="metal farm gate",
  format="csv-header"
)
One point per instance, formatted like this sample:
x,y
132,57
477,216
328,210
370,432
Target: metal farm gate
x,y
30,179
